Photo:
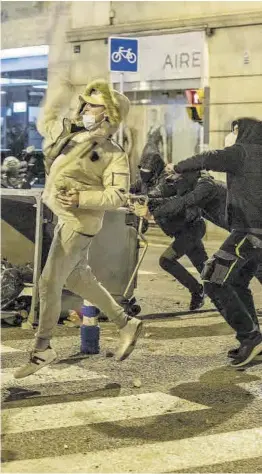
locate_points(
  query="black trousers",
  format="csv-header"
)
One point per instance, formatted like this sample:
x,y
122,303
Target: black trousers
x,y
187,242
226,279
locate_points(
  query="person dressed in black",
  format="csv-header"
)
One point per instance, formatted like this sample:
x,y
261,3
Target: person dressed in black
x,y
17,139
151,170
210,196
241,253
187,229
206,193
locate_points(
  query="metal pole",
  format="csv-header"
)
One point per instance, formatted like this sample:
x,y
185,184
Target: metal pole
x,y
201,138
206,118
121,128
37,262
205,85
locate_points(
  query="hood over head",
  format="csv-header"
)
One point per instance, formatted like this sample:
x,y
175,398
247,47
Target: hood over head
x,y
99,92
249,131
152,161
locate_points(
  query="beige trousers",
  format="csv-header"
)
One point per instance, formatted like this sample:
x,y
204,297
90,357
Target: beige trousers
x,y
67,264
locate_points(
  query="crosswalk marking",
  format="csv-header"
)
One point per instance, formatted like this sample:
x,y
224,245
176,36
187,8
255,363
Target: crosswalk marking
x,y
192,270
254,388
156,457
144,272
156,437
88,412
50,374
181,322
5,349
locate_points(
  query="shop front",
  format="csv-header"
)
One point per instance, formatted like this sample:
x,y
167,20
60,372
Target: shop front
x,y
169,65
23,86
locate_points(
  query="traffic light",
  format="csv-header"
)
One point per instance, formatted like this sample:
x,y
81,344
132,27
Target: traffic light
x,y
195,107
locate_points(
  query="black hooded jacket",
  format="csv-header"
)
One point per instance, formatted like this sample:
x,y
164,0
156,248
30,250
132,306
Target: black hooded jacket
x,y
161,205
204,192
243,164
152,161
156,185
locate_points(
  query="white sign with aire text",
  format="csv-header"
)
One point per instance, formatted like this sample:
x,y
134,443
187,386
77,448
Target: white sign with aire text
x,y
167,57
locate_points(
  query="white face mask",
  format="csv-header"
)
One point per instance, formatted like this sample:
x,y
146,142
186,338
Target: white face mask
x,y
89,121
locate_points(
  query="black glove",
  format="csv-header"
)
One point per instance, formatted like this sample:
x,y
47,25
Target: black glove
x,y
153,203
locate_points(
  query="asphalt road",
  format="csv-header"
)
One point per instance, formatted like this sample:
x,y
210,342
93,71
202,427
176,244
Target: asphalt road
x,y
175,405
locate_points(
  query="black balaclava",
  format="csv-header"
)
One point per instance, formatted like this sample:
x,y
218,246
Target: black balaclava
x,y
154,164
249,131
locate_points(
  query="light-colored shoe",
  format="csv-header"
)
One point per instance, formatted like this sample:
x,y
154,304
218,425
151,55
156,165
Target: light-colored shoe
x,y
38,360
128,337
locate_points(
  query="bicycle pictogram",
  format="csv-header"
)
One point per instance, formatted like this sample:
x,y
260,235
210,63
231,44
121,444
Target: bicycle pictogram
x,y
124,54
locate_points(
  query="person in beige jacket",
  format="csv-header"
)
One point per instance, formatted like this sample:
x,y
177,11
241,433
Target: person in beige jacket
x,y
87,174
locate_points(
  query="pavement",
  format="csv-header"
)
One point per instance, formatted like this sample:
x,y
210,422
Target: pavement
x,y
176,405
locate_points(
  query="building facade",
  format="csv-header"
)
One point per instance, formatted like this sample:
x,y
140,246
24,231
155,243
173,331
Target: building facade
x,y
194,44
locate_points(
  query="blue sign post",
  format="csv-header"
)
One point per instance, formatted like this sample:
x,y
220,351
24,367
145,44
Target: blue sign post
x,y
123,54
123,57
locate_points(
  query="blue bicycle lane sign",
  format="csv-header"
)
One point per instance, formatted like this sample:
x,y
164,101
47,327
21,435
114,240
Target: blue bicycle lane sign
x,y
123,54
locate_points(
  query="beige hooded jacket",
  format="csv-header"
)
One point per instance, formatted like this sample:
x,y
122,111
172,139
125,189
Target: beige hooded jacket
x,y
93,164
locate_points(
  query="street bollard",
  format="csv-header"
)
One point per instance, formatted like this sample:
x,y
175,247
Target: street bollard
x,y
90,330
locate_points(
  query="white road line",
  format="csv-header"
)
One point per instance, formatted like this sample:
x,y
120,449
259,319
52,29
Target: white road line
x,y
5,349
181,322
152,244
144,272
50,374
87,412
192,270
156,457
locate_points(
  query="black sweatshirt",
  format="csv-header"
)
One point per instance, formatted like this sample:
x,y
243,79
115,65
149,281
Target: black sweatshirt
x,y
208,194
243,164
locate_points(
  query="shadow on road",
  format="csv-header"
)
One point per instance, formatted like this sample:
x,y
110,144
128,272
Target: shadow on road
x,y
218,389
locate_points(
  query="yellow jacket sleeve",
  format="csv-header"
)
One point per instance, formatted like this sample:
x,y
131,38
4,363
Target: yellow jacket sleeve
x,y
56,102
116,182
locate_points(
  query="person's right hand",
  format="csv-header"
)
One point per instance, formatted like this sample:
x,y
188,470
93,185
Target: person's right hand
x,y
169,168
140,210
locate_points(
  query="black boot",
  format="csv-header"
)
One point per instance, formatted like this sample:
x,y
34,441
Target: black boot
x,y
197,300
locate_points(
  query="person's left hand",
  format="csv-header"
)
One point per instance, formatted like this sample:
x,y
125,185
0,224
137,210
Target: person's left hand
x,y
70,199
